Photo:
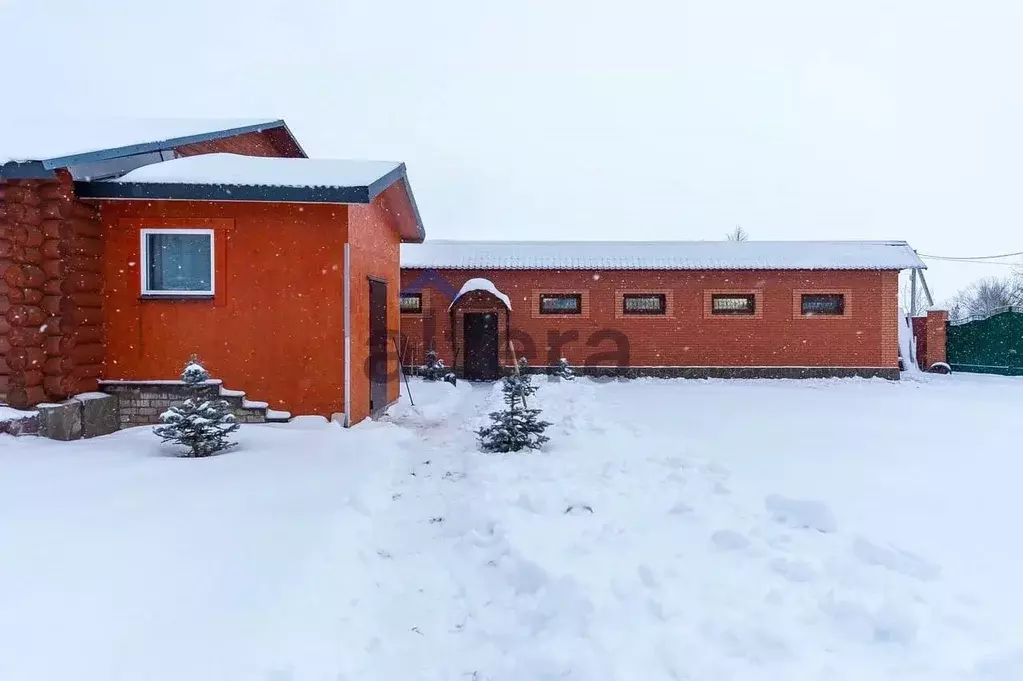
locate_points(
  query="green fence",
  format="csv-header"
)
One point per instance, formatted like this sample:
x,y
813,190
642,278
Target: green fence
x,y
987,345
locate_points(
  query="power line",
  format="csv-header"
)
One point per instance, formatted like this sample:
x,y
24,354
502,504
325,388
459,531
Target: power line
x,y
975,257
973,261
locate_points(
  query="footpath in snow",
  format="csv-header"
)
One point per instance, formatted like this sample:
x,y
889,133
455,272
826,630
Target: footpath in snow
x,y
670,530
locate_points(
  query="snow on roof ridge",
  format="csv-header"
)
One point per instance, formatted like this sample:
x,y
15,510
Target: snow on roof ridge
x,y
262,171
662,255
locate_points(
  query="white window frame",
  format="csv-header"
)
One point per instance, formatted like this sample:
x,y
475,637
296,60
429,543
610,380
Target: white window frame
x,y
146,291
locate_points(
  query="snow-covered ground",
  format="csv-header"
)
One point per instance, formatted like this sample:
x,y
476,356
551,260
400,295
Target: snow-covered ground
x,y
671,530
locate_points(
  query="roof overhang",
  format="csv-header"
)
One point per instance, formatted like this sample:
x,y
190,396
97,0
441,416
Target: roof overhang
x,y
174,191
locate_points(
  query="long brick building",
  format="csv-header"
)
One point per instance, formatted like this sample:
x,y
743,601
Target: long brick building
x,y
699,309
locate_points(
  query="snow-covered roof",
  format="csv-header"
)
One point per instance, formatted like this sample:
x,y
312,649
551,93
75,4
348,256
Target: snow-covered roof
x,y
661,255
259,171
480,284
57,140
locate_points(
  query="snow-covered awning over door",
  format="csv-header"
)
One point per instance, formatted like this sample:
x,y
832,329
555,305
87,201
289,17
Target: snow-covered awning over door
x,y
480,284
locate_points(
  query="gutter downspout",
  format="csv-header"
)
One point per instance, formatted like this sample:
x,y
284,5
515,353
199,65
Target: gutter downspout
x,y
348,333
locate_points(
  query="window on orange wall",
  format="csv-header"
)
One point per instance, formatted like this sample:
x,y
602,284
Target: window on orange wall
x,y
643,303
812,304
177,262
733,304
561,303
411,303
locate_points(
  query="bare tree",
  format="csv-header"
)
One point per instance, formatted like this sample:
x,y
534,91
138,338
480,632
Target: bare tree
x,y
737,234
986,296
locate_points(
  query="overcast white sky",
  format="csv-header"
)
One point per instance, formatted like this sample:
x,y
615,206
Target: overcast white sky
x,y
543,119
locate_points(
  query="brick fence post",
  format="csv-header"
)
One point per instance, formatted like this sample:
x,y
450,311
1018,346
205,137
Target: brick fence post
x,y
936,351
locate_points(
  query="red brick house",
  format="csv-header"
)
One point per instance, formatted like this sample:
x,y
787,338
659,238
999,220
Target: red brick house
x,y
697,309
126,247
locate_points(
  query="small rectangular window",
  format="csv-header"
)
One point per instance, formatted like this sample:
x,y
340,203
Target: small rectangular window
x,y
643,303
822,304
561,303
411,303
177,262
745,304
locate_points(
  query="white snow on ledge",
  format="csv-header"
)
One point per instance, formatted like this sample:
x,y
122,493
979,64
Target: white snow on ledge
x,y
258,171
12,414
480,284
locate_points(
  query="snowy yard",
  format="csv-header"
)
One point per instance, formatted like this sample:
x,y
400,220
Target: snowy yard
x,y
666,532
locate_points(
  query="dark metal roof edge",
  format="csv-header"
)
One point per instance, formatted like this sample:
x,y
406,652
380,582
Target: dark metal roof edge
x,y
293,138
220,192
28,170
386,180
161,145
400,173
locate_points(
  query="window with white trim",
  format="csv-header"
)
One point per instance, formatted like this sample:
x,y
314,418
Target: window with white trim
x,y
177,262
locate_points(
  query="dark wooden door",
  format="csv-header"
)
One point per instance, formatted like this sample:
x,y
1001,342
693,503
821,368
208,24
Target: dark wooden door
x,y
480,343
377,345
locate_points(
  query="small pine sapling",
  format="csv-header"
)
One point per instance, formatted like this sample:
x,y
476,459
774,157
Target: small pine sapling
x,y
564,370
200,424
434,369
517,427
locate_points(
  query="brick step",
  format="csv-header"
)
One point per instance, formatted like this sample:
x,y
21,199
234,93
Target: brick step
x,y
251,411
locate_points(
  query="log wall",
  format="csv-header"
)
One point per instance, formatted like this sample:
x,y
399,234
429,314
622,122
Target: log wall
x,y
51,315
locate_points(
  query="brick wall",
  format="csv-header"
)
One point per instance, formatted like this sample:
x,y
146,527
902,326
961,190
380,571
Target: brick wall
x,y
930,338
141,403
250,144
687,335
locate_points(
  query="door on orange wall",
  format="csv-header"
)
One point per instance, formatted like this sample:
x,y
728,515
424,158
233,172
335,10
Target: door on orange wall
x,y
377,345
480,343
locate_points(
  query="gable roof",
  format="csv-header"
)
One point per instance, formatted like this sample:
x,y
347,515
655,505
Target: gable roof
x,y
37,148
661,255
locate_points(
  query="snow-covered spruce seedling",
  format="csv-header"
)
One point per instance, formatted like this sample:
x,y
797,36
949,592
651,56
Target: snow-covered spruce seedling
x,y
202,425
564,370
434,369
517,427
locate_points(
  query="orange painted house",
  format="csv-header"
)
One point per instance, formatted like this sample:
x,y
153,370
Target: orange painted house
x,y
121,258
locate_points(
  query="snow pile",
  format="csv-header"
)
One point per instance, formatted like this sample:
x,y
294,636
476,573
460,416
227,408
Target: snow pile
x,y
649,539
796,513
907,344
480,284
11,414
